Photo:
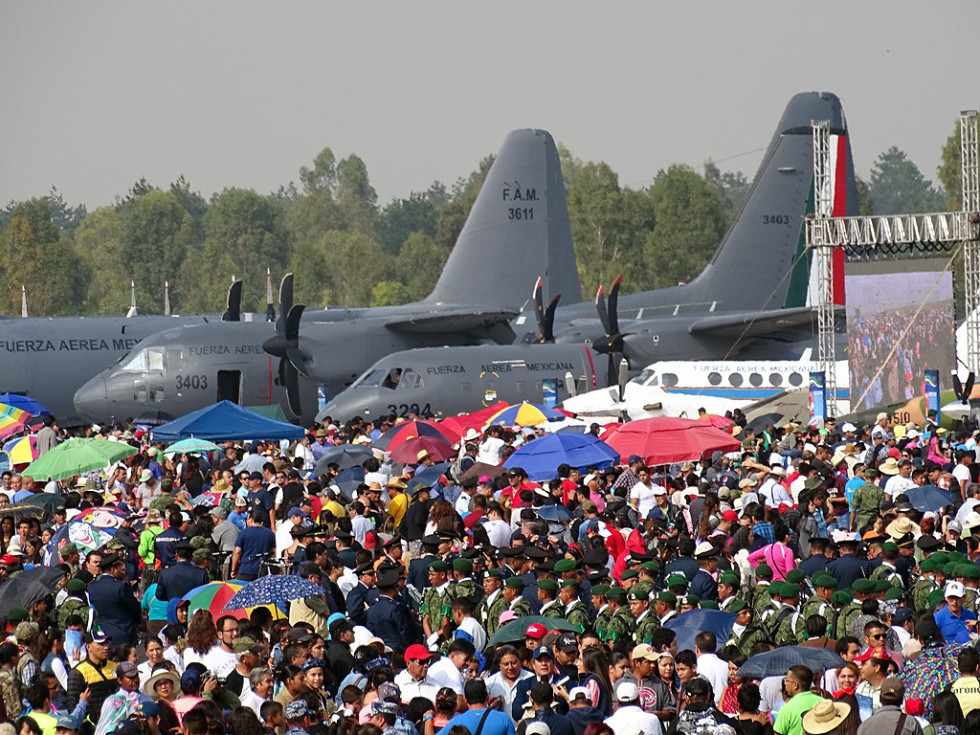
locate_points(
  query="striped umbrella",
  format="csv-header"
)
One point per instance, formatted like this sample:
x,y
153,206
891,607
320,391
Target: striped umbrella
x,y
191,446
22,450
406,430
12,420
215,595
525,414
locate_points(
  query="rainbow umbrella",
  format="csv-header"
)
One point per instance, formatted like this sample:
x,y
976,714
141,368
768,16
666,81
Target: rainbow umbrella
x,y
525,414
13,422
215,595
22,450
400,433
15,413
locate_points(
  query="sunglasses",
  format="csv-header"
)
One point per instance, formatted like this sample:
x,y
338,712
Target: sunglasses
x,y
877,636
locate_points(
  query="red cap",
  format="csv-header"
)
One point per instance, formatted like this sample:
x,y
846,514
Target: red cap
x,y
876,652
729,515
536,631
417,652
9,559
893,452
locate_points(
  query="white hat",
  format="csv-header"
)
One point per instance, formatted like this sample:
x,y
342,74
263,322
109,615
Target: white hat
x,y
972,520
848,427
536,727
777,469
626,691
577,692
589,478
659,490
470,435
706,549
881,416
954,589
912,433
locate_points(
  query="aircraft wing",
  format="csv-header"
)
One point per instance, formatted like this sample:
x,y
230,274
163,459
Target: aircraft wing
x,y
458,320
749,324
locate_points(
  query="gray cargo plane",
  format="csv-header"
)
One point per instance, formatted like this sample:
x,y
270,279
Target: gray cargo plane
x,y
518,228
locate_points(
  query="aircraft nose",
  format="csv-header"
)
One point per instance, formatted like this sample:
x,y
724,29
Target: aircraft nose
x,y
91,400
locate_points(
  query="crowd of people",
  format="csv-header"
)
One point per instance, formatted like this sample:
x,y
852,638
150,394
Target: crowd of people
x,y
466,605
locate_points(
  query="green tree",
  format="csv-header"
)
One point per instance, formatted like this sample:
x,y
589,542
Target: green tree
x,y
419,213
340,268
571,166
732,187
898,187
865,203
192,201
453,215
419,264
949,172
390,293
355,195
99,246
322,176
610,225
690,223
33,253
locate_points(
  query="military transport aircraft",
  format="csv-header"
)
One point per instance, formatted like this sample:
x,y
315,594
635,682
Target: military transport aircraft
x,y
518,228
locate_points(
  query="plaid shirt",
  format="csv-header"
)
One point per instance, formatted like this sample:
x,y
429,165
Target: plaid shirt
x,y
763,529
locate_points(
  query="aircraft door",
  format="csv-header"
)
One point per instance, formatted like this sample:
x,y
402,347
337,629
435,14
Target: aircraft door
x,y
230,386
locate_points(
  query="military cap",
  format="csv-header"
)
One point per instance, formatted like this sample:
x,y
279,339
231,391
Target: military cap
x,y
950,568
76,585
882,585
894,593
677,580
564,565
823,579
548,584
668,597
200,555
438,566
109,561
629,574
17,614
26,632
596,556
515,583
547,566
971,571
934,599
863,585
841,598
569,583
794,576
871,473
889,546
198,542
462,565
709,605
928,565
692,600
776,588
737,606
790,590
67,550
927,543
615,591
650,566
638,593
729,578
940,557
600,589
433,540
763,571
535,552
494,573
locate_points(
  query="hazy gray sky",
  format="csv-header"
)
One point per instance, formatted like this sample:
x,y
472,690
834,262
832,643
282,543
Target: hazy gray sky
x,y
97,94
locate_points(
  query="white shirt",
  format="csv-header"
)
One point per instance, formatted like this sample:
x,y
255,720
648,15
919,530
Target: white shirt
x,y
774,494
498,531
220,661
284,538
898,485
631,720
473,632
347,581
359,527
443,673
715,671
490,450
499,688
646,498
962,474
463,504
253,701
410,688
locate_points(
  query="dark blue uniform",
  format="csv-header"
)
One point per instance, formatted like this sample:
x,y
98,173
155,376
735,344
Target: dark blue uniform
x,y
118,610
180,579
418,571
165,546
813,564
846,569
359,600
682,565
392,622
703,586
521,695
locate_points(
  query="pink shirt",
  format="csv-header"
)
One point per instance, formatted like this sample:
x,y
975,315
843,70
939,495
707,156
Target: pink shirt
x,y
778,556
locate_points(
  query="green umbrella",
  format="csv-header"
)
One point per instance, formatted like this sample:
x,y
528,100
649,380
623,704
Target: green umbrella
x,y
75,456
191,446
515,629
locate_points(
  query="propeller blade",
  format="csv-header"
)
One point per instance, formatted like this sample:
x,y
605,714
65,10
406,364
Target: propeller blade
x,y
600,306
624,373
270,306
292,323
292,389
612,374
957,386
285,300
234,311
614,307
539,307
570,384
968,388
548,328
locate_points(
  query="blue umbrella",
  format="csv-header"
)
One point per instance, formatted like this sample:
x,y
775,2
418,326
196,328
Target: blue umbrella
x,y
274,589
778,661
556,513
689,624
348,480
345,455
540,458
428,475
25,403
929,497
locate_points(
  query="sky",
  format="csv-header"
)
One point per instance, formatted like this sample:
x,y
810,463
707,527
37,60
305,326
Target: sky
x,y
97,95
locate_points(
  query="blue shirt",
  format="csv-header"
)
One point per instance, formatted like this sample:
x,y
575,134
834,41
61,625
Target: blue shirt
x,y
764,530
237,519
260,500
850,487
254,541
953,627
497,723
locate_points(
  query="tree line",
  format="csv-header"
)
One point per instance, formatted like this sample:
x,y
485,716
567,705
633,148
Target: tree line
x,y
346,249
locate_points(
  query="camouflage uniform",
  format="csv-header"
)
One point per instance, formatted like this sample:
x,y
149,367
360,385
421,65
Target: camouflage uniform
x,y
888,572
747,641
602,621
646,625
521,607
846,617
74,606
723,605
491,610
920,591
970,599
436,606
466,587
621,627
867,501
791,629
761,598
554,609
576,615
816,605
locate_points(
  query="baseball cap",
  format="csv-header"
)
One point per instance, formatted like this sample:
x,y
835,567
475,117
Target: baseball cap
x,y
389,692
578,692
875,652
627,691
541,651
297,511
893,686
954,589
644,650
127,669
417,652
537,728
566,643
536,631
256,476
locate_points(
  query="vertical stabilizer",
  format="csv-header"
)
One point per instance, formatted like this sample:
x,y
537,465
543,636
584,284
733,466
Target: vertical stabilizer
x,y
517,230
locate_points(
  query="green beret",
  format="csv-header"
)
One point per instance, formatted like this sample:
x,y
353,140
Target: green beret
x,y
515,582
692,600
629,574
548,584
709,605
934,599
76,585
882,585
824,580
841,598
564,565
570,583
763,571
729,578
600,589
959,557
863,585
940,557
894,593
790,590
615,591
637,593
650,566
928,565
677,580
667,596
438,566
794,576
463,565
737,606
889,546
971,571
17,614
950,568
776,588
496,573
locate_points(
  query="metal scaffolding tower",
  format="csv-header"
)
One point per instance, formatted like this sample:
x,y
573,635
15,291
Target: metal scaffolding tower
x,y
894,234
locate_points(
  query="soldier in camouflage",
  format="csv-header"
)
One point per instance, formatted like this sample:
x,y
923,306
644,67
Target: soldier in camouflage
x,y
760,597
437,600
493,602
728,586
551,606
516,603
646,619
603,613
784,625
619,631
463,584
852,611
926,583
746,633
820,602
887,569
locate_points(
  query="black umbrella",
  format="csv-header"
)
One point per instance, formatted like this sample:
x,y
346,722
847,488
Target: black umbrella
x,y
778,661
482,468
26,588
23,510
46,501
345,455
763,422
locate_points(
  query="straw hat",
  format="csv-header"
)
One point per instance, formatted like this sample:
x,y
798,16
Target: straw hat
x,y
825,716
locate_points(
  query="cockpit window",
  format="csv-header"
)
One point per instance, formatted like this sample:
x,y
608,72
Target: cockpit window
x,y
410,380
644,376
372,379
147,359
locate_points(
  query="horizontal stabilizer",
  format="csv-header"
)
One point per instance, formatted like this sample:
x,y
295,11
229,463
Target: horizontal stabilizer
x,y
464,320
756,323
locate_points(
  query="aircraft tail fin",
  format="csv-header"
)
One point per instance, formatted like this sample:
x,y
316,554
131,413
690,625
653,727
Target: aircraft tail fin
x,y
765,245
517,230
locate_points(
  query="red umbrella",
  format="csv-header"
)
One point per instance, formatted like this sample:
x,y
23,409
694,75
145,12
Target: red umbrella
x,y
663,440
476,420
400,433
408,451
721,422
